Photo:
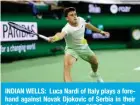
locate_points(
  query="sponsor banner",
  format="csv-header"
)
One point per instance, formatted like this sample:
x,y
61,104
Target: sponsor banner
x,y
9,33
94,8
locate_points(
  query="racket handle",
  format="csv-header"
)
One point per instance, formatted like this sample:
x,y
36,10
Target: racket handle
x,y
44,37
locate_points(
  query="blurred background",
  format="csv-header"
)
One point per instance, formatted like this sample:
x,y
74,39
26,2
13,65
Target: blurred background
x,y
120,51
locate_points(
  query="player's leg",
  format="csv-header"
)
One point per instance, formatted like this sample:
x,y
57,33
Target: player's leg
x,y
89,56
93,62
69,59
94,65
92,59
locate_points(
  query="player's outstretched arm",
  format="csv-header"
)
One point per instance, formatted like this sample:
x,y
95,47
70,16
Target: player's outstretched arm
x,y
58,36
93,28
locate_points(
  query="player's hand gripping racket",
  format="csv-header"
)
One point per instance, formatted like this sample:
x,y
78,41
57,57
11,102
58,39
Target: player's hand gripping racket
x,y
23,29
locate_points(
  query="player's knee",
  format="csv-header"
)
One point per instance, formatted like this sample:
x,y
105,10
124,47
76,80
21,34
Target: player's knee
x,y
67,64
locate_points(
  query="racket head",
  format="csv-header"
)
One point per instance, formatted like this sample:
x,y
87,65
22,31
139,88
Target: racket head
x,y
18,27
23,29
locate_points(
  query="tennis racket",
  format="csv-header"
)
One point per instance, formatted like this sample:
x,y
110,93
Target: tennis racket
x,y
23,29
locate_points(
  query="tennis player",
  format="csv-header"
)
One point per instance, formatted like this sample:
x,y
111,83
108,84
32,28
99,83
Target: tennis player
x,y
76,45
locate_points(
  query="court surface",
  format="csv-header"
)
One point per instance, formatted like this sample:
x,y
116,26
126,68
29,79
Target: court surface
x,y
114,66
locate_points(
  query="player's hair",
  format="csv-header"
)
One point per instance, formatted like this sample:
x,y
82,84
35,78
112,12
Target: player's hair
x,y
67,10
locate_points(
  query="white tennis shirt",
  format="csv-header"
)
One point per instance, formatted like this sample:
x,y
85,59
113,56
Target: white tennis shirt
x,y
75,35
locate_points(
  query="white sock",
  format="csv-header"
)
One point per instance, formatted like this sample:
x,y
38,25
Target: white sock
x,y
94,74
99,78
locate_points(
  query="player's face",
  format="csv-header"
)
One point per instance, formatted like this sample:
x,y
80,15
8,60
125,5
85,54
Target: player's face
x,y
72,17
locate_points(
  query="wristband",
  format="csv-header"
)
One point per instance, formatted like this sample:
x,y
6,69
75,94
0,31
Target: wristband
x,y
102,32
56,38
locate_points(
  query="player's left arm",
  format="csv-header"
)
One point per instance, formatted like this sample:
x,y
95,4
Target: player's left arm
x,y
93,28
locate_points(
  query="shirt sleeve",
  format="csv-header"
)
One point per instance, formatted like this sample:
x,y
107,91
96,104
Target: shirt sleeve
x,y
65,30
82,20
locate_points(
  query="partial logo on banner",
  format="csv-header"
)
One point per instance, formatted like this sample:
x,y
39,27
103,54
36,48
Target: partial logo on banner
x,y
93,8
9,33
123,9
